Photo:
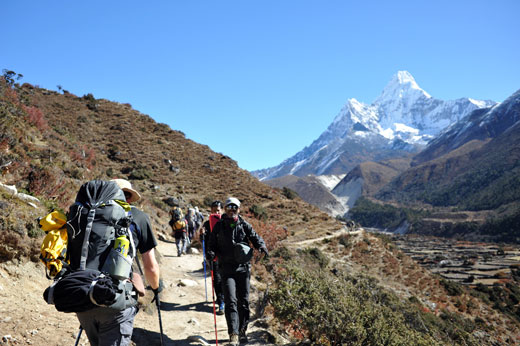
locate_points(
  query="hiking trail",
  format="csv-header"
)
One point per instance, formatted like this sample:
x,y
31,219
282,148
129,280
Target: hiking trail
x,y
26,319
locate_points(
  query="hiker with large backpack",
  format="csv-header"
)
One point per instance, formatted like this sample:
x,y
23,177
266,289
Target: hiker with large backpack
x,y
191,224
178,225
230,241
207,227
104,235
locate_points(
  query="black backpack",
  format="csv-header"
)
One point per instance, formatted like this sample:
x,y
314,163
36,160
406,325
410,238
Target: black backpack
x,y
94,222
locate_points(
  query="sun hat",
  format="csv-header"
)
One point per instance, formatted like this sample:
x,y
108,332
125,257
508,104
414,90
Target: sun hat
x,y
126,186
232,200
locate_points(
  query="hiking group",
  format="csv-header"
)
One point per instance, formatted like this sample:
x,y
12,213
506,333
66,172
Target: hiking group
x,y
185,228
90,252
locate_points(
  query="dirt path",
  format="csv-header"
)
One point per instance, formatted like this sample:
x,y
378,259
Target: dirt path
x,y
308,242
25,319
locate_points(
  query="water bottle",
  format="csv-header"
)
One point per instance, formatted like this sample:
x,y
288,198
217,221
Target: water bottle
x,y
121,245
118,264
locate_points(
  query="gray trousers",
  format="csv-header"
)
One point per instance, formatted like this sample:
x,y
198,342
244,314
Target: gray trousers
x,y
181,244
107,327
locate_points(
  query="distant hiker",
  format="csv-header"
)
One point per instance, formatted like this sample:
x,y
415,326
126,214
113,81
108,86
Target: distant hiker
x,y
191,224
178,225
214,217
199,219
229,241
101,211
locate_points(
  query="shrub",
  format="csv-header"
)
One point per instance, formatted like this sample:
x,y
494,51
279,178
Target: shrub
x,y
337,310
258,212
321,259
454,289
35,117
290,194
282,252
140,173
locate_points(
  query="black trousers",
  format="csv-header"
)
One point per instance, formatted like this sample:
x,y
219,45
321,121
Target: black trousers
x,y
236,298
217,283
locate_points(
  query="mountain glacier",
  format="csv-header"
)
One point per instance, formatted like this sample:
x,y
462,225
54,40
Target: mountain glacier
x,y
400,121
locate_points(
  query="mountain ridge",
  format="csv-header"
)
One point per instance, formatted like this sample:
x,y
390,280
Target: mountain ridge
x,y
401,120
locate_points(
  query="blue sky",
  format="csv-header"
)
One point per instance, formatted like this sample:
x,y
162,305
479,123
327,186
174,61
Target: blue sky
x,y
260,80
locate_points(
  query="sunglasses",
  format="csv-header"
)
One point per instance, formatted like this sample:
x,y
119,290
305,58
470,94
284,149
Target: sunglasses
x,y
232,207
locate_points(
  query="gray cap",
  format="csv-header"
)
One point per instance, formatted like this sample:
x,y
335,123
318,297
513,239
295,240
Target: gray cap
x,y
232,200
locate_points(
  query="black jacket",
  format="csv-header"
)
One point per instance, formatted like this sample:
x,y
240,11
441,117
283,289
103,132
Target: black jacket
x,y
225,232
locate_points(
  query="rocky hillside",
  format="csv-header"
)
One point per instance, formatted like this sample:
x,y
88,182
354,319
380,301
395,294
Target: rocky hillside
x,y
51,143
311,190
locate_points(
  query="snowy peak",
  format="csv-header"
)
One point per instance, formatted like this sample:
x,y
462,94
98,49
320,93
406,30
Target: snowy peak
x,y
402,85
403,119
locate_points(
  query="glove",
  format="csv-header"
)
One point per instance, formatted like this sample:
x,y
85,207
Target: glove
x,y
210,255
263,249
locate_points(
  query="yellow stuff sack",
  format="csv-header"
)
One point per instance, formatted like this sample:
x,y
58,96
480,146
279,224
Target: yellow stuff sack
x,y
54,245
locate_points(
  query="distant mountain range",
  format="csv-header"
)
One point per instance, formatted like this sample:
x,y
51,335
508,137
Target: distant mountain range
x,y
473,165
400,121
416,164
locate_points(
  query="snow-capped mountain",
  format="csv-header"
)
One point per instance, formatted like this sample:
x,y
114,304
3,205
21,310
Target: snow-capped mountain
x,y
401,120
485,123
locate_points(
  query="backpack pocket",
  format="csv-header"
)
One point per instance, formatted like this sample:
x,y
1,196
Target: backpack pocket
x,y
117,265
242,253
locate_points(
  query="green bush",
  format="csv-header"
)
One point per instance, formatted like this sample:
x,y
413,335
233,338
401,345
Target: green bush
x,y
282,252
140,174
258,212
290,194
317,256
454,289
342,310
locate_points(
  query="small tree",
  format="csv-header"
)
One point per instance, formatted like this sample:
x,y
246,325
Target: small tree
x,y
10,76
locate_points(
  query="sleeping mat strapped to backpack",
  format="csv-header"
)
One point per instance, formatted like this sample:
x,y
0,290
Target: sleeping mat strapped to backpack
x,y
98,261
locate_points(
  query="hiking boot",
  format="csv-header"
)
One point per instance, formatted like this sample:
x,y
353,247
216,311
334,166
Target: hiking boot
x,y
233,340
243,337
220,309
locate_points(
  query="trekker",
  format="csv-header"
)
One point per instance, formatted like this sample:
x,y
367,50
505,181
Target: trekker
x,y
229,241
105,326
214,217
178,225
199,219
191,224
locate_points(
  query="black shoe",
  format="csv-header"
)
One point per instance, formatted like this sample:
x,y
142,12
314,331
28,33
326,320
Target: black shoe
x,y
243,337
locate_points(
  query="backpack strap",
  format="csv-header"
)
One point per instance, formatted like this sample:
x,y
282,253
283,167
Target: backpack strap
x,y
88,230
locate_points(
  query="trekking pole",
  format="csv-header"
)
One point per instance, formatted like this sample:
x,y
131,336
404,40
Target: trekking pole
x,y
79,336
214,310
205,275
158,303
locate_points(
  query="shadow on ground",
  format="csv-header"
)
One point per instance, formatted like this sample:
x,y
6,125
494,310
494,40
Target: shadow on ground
x,y
202,307
142,337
